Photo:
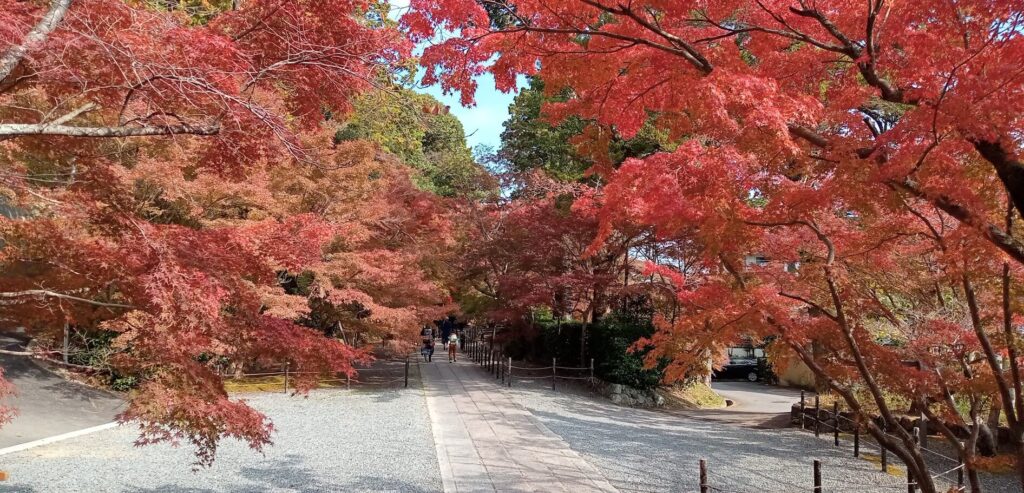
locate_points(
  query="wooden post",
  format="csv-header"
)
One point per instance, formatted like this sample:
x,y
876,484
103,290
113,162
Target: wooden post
x,y
406,372
491,347
885,459
510,372
286,364
554,363
348,382
803,406
68,345
817,476
911,481
856,439
591,371
923,435
960,477
817,416
704,488
835,422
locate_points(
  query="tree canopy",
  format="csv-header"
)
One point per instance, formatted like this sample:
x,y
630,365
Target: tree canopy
x,y
869,153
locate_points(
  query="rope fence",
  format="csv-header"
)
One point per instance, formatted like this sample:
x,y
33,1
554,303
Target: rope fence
x,y
833,421
482,350
288,374
710,481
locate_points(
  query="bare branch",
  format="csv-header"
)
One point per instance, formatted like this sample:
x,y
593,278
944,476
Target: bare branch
x,y
13,56
45,293
50,129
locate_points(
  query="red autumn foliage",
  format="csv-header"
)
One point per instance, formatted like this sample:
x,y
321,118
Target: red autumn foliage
x,y
161,175
870,153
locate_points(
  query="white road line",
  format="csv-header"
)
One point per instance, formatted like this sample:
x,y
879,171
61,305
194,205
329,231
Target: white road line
x,y
56,438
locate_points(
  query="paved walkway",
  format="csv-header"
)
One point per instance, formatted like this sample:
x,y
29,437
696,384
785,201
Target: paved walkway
x,y
487,442
47,404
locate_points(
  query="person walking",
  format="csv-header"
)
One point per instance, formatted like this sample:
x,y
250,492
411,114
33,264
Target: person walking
x,y
427,350
453,345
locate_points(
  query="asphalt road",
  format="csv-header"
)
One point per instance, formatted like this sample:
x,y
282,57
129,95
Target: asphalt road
x,y
47,404
753,405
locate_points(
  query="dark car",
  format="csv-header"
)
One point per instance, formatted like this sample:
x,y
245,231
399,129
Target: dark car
x,y
746,363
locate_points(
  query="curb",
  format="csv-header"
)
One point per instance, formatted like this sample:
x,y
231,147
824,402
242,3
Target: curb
x,y
55,438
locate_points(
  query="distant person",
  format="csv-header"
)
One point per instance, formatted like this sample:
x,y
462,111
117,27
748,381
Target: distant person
x,y
427,333
427,350
453,344
446,328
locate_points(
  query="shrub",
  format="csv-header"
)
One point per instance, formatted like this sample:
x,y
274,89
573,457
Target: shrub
x,y
608,343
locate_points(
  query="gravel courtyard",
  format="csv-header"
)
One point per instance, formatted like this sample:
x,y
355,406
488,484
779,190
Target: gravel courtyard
x,y
334,440
384,440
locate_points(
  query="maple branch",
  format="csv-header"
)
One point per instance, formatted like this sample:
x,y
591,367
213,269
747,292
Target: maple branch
x,y
38,35
1009,169
732,270
687,51
1001,239
53,129
809,303
990,353
45,293
605,34
906,452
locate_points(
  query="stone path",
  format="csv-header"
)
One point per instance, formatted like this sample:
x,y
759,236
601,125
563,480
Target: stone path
x,y
487,442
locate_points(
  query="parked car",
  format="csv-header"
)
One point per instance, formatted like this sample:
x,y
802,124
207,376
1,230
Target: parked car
x,y
745,362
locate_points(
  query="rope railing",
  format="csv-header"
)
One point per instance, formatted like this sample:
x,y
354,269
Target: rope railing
x,y
287,373
833,419
479,346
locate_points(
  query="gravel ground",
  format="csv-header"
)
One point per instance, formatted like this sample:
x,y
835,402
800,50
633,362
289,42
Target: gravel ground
x,y
334,440
639,450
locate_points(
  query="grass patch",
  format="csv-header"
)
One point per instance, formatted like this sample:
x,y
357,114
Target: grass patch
x,y
893,469
272,383
695,396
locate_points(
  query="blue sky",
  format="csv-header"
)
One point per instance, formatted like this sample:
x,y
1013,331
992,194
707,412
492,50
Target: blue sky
x,y
482,122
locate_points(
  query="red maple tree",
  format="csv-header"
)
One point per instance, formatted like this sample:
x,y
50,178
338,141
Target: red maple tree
x,y
163,172
871,148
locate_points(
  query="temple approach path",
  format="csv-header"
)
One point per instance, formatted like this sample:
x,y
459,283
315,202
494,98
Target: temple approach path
x,y
487,442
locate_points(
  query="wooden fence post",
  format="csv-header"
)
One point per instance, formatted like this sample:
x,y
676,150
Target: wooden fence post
x,y
510,372
704,476
554,363
591,371
286,365
817,416
835,422
348,382
960,477
803,406
817,476
885,459
856,439
406,372
67,346
911,480
923,435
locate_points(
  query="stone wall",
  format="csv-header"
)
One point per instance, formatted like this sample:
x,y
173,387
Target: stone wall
x,y
625,395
